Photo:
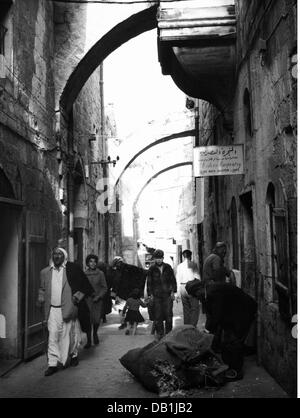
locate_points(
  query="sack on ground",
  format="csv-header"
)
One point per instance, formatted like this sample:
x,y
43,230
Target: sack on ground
x,y
181,360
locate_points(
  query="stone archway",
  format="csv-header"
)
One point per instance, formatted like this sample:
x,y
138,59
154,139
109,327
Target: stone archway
x,y
128,29
171,167
135,25
167,138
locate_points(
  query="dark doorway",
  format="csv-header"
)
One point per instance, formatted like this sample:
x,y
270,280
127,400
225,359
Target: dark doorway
x,y
200,242
247,242
10,218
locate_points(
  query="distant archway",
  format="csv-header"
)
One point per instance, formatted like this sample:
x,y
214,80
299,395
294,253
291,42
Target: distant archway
x,y
171,167
183,134
134,206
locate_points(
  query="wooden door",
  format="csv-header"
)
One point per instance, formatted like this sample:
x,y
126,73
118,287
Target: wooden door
x,y
36,260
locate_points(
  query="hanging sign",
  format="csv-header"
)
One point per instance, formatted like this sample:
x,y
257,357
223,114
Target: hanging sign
x,y
217,160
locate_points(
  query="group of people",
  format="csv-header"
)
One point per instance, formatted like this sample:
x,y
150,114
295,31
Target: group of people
x,y
75,301
230,312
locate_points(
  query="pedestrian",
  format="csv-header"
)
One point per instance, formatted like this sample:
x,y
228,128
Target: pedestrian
x,y
63,286
161,288
126,278
131,311
187,271
95,301
215,273
233,311
214,269
107,302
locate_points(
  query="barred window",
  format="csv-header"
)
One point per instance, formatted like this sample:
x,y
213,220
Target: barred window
x,y
3,31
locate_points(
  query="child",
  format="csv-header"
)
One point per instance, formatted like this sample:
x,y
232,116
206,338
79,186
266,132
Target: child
x,y
131,309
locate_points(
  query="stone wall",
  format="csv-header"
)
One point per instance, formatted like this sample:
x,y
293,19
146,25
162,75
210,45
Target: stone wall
x,y
27,115
265,123
27,155
40,154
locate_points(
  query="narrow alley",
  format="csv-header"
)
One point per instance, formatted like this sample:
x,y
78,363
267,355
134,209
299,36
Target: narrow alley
x,y
148,160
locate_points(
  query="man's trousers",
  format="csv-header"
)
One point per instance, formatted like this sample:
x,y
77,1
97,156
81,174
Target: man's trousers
x,y
64,338
163,312
191,307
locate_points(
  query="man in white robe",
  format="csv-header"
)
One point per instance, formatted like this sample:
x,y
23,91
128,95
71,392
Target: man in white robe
x,y
62,286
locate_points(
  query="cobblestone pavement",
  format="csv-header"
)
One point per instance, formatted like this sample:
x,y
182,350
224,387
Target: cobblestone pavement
x,y
100,374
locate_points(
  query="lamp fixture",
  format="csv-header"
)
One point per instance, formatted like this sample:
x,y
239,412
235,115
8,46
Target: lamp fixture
x,y
107,161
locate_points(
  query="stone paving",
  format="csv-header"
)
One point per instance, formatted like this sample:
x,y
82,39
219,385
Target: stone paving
x,y
100,374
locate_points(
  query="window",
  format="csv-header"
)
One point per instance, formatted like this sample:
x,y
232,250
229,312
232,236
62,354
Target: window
x,y
248,113
6,189
4,7
281,241
117,203
5,38
279,247
2,326
3,31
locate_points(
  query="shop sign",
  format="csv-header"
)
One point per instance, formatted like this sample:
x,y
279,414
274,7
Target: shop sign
x,y
217,160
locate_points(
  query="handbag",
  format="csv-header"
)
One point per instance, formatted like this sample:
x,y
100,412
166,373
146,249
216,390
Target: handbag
x,y
192,286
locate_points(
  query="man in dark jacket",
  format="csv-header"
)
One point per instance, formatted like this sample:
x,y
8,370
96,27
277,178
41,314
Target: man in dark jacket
x,y
161,287
215,272
214,269
128,277
233,311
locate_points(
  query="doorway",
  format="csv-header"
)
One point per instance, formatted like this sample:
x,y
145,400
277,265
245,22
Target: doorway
x,y
10,217
247,242
9,272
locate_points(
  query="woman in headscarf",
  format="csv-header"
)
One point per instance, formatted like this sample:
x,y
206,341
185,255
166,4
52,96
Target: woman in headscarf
x,y
95,301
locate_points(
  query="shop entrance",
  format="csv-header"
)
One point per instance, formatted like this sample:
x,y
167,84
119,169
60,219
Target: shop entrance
x,y
10,216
